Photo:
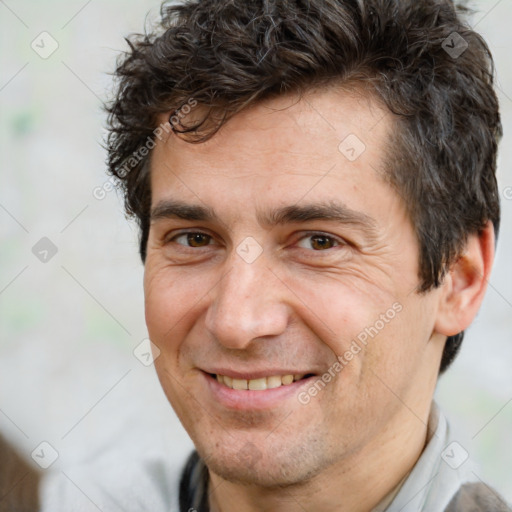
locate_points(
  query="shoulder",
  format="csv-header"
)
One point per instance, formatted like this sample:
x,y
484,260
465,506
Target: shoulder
x,y
477,497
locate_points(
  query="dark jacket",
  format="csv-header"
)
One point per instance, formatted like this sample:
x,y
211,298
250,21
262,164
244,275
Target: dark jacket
x,y
477,497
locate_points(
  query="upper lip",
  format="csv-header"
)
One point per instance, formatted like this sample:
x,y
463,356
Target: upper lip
x,y
254,374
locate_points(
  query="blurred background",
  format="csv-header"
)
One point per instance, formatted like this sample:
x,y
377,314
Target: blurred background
x,y
73,374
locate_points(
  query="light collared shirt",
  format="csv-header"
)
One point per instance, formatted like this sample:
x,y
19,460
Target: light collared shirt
x,y
441,470
153,485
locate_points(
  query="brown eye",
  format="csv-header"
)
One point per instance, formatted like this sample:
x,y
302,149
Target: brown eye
x,y
318,242
193,239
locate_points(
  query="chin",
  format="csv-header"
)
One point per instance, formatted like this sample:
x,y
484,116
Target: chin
x,y
272,468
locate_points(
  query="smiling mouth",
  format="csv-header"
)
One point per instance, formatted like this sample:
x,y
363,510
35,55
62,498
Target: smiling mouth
x,y
272,382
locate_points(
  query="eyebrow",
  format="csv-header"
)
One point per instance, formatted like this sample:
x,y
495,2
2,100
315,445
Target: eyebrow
x,y
326,211
331,211
170,209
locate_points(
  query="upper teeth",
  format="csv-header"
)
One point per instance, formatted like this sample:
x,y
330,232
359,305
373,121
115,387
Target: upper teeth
x,y
258,384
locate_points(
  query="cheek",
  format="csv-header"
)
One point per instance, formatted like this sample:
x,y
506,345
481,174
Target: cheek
x,y
172,300
396,349
341,309
370,329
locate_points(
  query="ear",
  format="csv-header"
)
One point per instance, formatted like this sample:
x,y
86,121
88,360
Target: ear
x,y
465,285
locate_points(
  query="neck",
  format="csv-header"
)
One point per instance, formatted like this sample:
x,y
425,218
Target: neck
x,y
357,483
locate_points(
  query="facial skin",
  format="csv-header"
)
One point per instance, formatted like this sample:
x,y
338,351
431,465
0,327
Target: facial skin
x,y
317,284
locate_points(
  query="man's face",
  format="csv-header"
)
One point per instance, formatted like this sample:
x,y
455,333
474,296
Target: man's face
x,y
273,250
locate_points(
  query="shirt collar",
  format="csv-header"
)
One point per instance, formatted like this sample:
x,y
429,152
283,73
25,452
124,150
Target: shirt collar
x,y
430,485
436,476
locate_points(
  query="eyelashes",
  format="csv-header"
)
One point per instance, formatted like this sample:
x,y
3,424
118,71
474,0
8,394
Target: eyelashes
x,y
315,241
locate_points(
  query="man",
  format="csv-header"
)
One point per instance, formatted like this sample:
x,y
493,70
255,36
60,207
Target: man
x,y
315,187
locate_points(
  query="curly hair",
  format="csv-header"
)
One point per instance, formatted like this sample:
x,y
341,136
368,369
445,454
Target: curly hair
x,y
418,57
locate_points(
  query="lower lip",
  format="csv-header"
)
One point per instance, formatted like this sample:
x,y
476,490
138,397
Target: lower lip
x,y
245,399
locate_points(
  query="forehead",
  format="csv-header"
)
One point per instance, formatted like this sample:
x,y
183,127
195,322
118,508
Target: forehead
x,y
282,149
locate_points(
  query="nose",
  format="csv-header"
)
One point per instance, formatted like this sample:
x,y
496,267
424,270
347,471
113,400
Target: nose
x,y
247,304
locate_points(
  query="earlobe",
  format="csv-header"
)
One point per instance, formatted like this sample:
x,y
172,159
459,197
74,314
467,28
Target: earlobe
x,y
465,284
